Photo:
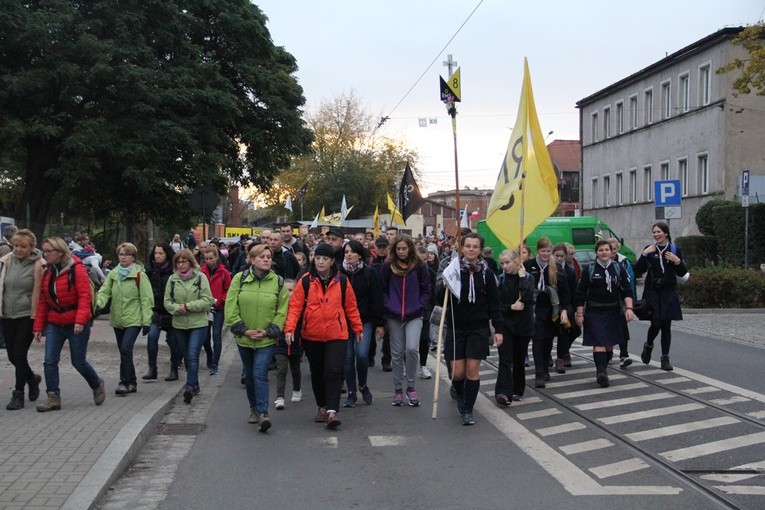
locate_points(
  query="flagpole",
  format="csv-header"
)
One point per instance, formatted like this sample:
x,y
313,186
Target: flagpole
x,y
438,351
522,185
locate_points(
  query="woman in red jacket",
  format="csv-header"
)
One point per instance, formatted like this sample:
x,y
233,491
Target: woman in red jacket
x,y
63,313
220,281
327,313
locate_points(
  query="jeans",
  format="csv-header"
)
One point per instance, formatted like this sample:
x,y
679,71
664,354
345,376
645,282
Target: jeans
x,y
125,341
152,346
190,343
326,362
217,333
55,336
404,336
255,363
18,337
357,359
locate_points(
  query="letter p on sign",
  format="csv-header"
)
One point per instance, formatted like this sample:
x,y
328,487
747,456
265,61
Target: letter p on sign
x,y
667,193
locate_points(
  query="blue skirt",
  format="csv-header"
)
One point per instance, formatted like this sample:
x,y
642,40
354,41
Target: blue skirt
x,y
603,329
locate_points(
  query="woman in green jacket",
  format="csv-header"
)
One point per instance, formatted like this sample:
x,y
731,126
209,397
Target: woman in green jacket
x,y
256,308
132,299
189,300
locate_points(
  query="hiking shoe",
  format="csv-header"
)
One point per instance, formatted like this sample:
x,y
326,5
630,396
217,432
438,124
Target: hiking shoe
x,y
53,403
425,373
366,395
188,394
332,420
99,394
602,377
17,401
645,356
467,419
34,388
412,397
567,361
254,417
279,403
398,398
150,374
626,361
297,396
502,400
350,400
122,389
665,365
265,423
559,366
539,381
321,415
132,388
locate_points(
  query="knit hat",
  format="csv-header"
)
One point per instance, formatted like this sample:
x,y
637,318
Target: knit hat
x,y
432,248
325,250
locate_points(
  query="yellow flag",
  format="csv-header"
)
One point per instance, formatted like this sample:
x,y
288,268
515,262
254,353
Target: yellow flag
x,y
322,215
526,155
395,215
376,223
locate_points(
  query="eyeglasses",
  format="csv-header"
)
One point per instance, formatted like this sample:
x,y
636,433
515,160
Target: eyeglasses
x,y
183,261
48,252
126,255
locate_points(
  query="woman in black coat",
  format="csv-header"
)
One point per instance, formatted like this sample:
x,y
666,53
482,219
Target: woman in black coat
x,y
663,261
158,270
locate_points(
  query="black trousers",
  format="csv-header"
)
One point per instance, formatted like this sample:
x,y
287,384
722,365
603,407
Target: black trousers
x,y
326,361
511,376
18,337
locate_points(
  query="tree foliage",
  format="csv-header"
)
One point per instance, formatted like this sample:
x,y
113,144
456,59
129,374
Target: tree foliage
x,y
128,106
752,39
349,158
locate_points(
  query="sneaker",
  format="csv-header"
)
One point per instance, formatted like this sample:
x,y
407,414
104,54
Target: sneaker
x,y
398,398
350,400
517,398
188,394
99,394
297,396
502,400
279,403
332,420
132,388
645,356
539,381
122,389
425,373
366,395
559,366
467,419
567,361
321,415
665,365
625,362
412,397
254,417
214,371
265,423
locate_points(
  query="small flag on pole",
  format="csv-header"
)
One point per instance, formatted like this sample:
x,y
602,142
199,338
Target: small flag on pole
x,y
409,197
288,203
343,210
464,221
452,277
315,222
395,216
323,216
376,223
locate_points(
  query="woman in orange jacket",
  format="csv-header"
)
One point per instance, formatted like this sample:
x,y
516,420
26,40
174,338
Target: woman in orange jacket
x,y
325,304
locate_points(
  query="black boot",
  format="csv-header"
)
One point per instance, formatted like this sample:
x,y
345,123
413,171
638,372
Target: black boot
x,y
150,374
17,401
34,387
665,363
173,375
602,377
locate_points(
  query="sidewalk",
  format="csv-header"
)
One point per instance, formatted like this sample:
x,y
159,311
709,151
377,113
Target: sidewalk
x,y
69,458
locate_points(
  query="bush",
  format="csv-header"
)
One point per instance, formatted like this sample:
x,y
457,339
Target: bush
x,y
705,217
699,251
726,221
723,287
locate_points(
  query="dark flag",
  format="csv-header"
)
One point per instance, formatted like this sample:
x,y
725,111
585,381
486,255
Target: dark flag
x,y
301,193
409,197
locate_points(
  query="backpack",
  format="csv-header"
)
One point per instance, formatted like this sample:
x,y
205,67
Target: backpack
x,y
616,265
279,284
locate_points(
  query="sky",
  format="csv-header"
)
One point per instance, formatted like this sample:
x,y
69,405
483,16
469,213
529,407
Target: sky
x,y
378,50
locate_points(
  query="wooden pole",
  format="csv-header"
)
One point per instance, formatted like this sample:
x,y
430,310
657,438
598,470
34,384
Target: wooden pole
x,y
438,353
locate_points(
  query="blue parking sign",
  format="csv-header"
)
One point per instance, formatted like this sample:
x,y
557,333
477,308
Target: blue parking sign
x,y
666,193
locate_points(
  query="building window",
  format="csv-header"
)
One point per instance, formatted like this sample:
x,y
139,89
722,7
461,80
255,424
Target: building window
x,y
633,186
682,174
647,184
606,190
594,194
684,100
705,92
664,171
606,122
666,100
633,112
569,187
594,127
702,164
648,106
619,189
620,118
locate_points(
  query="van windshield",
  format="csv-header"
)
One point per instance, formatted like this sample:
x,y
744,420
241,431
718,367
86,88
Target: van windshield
x,y
583,236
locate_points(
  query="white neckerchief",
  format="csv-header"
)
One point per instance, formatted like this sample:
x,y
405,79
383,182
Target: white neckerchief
x,y
542,266
605,271
661,251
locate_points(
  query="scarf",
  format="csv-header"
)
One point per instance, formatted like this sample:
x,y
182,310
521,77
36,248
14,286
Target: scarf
x,y
186,275
477,266
123,271
607,275
542,266
352,267
163,268
399,270
660,250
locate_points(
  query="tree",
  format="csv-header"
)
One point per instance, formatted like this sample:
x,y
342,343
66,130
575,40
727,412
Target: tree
x,y
753,69
349,158
128,106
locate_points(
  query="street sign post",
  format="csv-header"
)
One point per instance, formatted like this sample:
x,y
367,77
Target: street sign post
x,y
667,198
745,205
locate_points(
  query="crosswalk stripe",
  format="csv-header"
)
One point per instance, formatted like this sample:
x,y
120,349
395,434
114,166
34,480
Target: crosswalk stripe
x,y
584,380
599,391
732,477
722,445
651,413
488,382
650,371
624,401
757,414
673,380
586,446
538,414
681,428
561,429
744,490
703,389
732,400
619,468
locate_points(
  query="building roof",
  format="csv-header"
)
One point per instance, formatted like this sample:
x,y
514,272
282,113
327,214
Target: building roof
x,y
566,155
710,40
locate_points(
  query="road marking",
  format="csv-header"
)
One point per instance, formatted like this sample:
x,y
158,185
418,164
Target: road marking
x,y
682,428
586,446
526,401
703,389
673,380
575,382
561,429
329,442
599,391
650,371
624,401
538,414
747,490
757,414
732,400
730,478
651,413
701,450
387,440
619,468
488,382
723,386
